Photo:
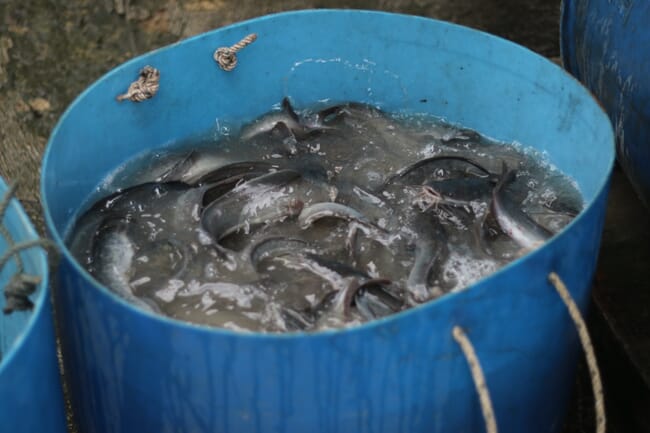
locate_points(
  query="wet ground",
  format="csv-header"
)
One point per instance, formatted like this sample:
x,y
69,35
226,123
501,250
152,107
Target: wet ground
x,y
50,50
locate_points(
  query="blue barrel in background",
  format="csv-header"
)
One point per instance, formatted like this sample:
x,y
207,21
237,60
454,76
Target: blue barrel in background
x,y
606,45
133,371
31,398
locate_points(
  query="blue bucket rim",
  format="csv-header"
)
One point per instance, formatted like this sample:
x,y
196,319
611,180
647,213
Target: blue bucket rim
x,y
363,327
41,298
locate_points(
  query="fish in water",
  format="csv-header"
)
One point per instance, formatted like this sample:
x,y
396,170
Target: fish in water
x,y
424,168
459,191
430,251
113,246
342,302
366,296
112,259
318,219
275,246
192,167
512,219
284,122
226,178
375,299
319,211
261,200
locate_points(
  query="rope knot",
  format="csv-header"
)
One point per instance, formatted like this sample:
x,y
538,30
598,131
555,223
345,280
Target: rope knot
x,y
21,285
17,292
145,87
226,57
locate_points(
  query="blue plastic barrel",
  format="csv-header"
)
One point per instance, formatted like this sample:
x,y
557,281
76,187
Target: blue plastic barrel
x,y
605,44
139,372
31,398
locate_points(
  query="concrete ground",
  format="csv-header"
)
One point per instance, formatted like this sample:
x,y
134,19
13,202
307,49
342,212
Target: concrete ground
x,y
50,50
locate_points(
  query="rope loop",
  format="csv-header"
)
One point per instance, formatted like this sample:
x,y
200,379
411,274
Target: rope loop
x,y
21,285
17,292
145,87
478,377
226,57
587,346
6,199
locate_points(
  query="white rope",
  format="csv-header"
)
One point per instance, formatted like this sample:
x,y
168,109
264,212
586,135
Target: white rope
x,y
6,199
226,57
4,232
585,341
478,377
145,87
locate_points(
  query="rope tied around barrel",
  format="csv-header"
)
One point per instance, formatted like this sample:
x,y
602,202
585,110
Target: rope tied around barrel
x,y
478,378
226,57
21,285
4,232
145,87
587,346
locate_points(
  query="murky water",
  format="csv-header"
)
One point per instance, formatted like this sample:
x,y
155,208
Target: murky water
x,y
324,219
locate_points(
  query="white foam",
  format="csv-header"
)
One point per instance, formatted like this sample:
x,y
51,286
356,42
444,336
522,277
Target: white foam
x,y
168,293
466,270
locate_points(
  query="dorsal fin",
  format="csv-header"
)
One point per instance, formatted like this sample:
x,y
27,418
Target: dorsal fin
x,y
288,108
